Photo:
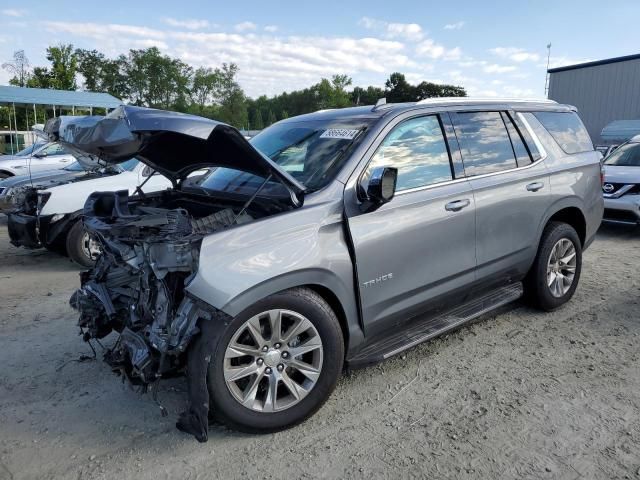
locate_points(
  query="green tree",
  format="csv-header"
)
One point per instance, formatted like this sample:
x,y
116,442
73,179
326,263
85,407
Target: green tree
x,y
398,90
205,87
231,98
19,67
271,118
91,64
256,120
40,78
64,66
157,80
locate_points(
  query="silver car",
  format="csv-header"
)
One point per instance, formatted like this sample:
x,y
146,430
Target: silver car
x,y
621,187
330,240
36,158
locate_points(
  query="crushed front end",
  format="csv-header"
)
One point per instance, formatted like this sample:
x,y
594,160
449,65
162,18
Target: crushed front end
x,y
137,287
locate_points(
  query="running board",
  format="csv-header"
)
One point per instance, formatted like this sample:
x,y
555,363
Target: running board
x,y
422,331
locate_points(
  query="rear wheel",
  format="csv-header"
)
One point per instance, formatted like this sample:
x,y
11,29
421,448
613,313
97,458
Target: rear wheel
x,y
81,247
277,363
555,273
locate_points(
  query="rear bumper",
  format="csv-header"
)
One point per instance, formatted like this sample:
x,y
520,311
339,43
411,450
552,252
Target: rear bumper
x,y
625,210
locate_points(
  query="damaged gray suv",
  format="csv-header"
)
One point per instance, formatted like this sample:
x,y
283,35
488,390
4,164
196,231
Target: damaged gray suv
x,y
331,240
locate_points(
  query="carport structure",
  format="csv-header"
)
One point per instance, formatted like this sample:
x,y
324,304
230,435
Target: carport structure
x,y
56,100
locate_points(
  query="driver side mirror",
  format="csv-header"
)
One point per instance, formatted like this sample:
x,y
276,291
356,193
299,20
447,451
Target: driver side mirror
x,y
382,185
41,155
147,171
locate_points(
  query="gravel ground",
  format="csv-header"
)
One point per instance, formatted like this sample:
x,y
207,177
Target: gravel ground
x,y
519,395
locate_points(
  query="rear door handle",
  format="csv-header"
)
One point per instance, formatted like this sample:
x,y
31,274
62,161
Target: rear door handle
x,y
457,205
535,186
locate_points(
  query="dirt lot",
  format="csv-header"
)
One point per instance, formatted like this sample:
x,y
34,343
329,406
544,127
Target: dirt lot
x,y
519,395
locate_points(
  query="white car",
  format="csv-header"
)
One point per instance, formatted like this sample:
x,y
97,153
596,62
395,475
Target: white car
x,y
36,158
51,217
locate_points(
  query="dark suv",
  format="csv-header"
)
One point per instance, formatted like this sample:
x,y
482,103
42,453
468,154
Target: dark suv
x,y
336,238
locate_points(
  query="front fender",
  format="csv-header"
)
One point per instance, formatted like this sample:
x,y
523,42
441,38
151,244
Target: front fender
x,y
307,246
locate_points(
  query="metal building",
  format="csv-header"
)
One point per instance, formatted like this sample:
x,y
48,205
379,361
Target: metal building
x,y
603,91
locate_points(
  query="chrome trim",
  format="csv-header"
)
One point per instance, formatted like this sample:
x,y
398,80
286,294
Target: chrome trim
x,y
536,140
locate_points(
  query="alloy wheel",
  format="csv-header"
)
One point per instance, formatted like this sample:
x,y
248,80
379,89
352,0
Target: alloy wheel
x,y
273,360
561,267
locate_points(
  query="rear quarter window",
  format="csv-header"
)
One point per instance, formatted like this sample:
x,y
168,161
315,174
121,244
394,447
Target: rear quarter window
x,y
567,130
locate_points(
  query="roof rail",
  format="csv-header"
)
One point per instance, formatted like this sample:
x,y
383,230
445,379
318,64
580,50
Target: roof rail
x,y
483,100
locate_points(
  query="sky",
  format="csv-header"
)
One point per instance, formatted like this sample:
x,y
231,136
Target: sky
x,y
492,49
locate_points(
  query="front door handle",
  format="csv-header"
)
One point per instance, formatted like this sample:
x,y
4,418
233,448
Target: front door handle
x,y
535,186
457,205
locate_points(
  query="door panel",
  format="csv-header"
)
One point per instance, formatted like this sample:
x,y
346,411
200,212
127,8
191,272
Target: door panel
x,y
413,250
509,209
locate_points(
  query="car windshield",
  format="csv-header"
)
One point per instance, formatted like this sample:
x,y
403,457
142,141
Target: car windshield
x,y
311,151
30,149
74,167
625,156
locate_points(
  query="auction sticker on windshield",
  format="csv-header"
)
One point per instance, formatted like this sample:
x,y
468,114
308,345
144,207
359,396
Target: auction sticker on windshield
x,y
339,133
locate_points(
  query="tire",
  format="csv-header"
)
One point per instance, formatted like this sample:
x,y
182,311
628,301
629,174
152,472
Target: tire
x,y
76,246
540,288
303,303
4,175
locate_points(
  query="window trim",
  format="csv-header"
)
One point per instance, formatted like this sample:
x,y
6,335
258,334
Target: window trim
x,y
438,116
458,128
536,141
507,118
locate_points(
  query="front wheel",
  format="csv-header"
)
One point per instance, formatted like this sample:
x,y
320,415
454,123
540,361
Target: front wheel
x,y
555,273
276,363
81,247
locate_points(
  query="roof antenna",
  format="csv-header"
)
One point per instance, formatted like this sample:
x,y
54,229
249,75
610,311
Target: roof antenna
x,y
381,101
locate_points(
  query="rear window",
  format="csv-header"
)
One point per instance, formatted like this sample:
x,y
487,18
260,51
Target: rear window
x,y
567,130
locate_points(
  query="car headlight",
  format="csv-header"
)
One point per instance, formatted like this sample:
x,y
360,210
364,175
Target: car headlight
x,y
43,198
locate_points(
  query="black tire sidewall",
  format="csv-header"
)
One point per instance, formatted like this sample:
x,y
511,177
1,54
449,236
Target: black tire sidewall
x,y
542,296
313,307
74,247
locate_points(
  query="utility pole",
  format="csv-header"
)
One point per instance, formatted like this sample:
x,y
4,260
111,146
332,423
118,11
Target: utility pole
x,y
546,77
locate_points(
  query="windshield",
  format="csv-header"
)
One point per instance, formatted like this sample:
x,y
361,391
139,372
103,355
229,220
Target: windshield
x,y
311,151
625,156
74,167
30,149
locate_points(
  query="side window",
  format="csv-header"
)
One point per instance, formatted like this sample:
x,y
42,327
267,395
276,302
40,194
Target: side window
x,y
55,149
484,143
519,148
417,148
528,139
567,130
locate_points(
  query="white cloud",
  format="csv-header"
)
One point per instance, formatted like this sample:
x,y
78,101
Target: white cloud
x,y
455,26
515,54
495,68
429,48
190,24
563,61
409,31
245,27
271,28
13,12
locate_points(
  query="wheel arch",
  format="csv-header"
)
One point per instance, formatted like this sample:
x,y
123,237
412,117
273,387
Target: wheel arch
x,y
573,216
324,283
7,173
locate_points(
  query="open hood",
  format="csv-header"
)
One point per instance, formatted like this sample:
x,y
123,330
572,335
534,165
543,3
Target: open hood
x,y
173,144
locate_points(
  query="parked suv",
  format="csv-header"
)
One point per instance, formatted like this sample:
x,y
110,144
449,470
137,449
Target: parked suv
x,y
338,238
621,188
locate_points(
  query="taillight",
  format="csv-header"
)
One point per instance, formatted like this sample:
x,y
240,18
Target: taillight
x,y
601,175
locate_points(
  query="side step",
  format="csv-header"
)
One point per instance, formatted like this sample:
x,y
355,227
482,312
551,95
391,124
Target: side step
x,y
421,331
